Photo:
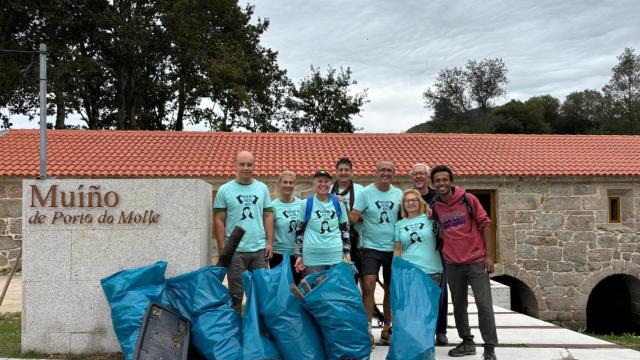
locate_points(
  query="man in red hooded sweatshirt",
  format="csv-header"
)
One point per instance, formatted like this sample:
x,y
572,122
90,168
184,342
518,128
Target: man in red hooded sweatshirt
x,y
467,252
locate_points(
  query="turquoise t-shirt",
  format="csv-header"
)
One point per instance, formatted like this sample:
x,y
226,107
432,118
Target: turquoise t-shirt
x,y
322,243
245,205
357,192
286,217
419,243
380,210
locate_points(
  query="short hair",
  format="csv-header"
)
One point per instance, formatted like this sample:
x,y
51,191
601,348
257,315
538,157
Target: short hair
x,y
425,166
385,160
441,168
423,204
346,161
283,175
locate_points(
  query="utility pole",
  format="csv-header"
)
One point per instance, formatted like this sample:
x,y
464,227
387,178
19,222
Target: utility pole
x,y
43,110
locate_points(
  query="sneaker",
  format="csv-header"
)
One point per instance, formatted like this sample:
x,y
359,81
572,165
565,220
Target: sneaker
x,y
385,337
489,355
372,339
464,348
441,340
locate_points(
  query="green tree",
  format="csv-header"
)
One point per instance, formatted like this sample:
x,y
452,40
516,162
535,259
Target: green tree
x,y
324,103
517,117
580,113
623,94
486,80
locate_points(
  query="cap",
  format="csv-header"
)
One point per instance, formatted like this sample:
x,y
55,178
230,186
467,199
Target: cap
x,y
322,173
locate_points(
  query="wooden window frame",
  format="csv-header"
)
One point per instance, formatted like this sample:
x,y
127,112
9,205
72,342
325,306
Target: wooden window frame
x,y
492,216
609,199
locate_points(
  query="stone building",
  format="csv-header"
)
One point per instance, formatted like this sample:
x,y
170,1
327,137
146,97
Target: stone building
x,y
565,209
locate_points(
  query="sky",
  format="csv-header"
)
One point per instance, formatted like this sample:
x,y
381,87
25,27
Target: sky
x,y
396,48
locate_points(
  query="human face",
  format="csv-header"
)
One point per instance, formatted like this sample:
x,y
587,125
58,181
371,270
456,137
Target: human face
x,y
420,177
411,204
287,185
385,172
322,184
344,173
244,166
442,183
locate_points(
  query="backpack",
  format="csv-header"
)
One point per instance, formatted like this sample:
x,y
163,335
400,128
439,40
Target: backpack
x,y
309,206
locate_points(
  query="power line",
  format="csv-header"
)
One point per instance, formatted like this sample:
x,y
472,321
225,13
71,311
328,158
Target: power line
x,y
21,51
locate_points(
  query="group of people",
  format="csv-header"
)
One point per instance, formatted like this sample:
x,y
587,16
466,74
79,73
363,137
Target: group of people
x,y
443,230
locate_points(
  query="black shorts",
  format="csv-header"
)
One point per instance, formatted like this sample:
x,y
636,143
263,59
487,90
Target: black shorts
x,y
373,259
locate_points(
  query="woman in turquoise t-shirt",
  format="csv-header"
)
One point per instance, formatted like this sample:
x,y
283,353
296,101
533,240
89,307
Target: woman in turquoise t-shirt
x,y
322,240
415,239
286,212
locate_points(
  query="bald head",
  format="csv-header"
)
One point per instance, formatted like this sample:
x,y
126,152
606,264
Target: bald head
x,y
245,163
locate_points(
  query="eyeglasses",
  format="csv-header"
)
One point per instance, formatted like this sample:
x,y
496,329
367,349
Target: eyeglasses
x,y
418,174
409,201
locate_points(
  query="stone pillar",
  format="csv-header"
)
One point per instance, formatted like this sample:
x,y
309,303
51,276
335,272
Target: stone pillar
x,y
110,225
10,223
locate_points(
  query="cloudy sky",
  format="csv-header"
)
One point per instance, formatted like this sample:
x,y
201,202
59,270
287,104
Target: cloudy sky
x,y
396,48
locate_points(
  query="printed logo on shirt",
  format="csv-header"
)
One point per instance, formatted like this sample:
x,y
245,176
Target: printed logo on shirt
x,y
325,214
246,213
292,216
413,228
385,206
324,227
414,238
248,201
453,220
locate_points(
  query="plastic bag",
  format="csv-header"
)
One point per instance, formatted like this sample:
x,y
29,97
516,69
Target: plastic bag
x,y
129,293
201,297
256,343
414,304
336,304
293,330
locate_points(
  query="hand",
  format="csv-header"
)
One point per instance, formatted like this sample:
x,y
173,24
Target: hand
x,y
488,264
347,257
220,250
342,199
268,251
299,266
429,213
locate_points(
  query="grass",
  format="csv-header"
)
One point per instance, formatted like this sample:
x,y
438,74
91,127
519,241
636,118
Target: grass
x,y
631,341
10,343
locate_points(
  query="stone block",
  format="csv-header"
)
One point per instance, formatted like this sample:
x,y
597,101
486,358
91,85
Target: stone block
x,y
506,232
545,280
8,243
46,255
93,342
594,266
541,241
546,233
558,304
89,306
506,217
600,255
549,253
520,236
579,315
15,226
559,189
584,236
190,244
567,279
525,252
575,251
10,208
549,221
177,213
594,203
47,342
518,202
553,292
536,265
630,238
635,258
563,235
580,223
583,189
525,217
14,190
608,241
627,247
532,187
524,227
49,308
561,203
3,226
578,212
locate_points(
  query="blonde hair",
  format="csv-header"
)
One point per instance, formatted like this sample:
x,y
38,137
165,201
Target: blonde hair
x,y
423,205
284,174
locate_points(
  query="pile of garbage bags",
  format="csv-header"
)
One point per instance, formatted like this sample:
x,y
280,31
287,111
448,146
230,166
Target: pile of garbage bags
x,y
328,322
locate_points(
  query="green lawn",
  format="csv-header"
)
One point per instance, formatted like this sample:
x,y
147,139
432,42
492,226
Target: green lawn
x,y
627,340
10,343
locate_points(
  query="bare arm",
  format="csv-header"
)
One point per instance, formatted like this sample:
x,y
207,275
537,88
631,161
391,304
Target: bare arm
x,y
488,258
268,229
354,216
397,249
219,230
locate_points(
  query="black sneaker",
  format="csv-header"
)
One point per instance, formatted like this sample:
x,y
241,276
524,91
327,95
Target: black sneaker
x,y
464,348
489,355
385,335
441,340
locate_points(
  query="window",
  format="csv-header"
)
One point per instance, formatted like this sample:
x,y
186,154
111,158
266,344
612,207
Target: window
x,y
488,200
614,209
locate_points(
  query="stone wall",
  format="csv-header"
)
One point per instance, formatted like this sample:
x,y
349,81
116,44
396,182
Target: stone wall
x,y
10,222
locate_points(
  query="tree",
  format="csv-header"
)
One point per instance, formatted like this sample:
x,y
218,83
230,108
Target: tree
x,y
580,113
517,117
623,93
486,80
324,103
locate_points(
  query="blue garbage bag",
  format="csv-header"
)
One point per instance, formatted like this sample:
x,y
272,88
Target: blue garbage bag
x,y
129,293
256,343
293,330
201,297
336,304
414,304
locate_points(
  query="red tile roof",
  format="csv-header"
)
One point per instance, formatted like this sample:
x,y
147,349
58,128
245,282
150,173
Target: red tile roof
x,y
202,154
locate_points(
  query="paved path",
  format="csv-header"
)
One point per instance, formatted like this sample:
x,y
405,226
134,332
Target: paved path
x,y
13,300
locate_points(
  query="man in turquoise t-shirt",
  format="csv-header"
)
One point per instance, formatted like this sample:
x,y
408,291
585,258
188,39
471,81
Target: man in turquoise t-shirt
x,y
379,207
244,202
